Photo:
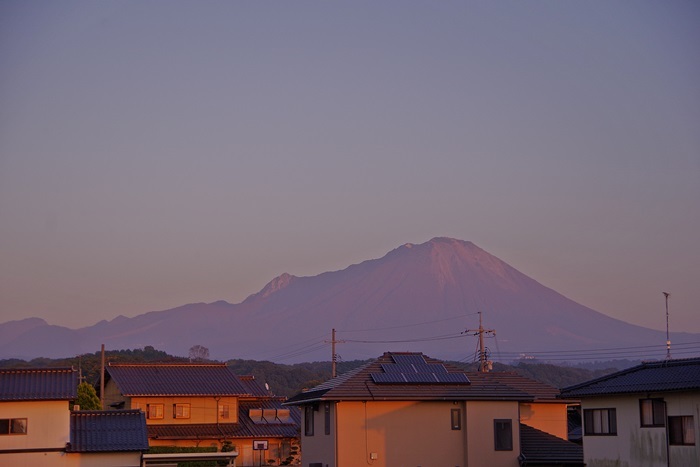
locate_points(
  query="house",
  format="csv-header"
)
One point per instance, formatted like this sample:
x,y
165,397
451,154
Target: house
x,y
105,438
405,408
645,415
37,427
205,405
547,411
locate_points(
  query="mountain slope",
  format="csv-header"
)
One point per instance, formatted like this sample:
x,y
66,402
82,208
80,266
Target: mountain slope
x,y
427,293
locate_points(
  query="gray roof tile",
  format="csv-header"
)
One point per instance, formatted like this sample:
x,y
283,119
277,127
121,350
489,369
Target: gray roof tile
x,y
176,379
23,384
108,431
359,385
538,447
661,376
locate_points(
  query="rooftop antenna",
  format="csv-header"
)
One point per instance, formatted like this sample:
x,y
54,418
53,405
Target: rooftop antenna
x,y
668,337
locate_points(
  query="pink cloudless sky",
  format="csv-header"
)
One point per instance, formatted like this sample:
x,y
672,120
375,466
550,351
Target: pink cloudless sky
x,y
159,153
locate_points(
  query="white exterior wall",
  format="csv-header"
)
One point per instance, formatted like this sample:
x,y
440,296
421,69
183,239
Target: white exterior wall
x,y
48,424
637,446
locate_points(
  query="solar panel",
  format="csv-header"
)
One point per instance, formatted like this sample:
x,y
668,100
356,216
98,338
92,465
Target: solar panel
x,y
384,378
409,359
460,378
421,378
398,368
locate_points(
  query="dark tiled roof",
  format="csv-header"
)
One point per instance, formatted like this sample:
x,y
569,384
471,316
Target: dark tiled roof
x,y
38,384
245,428
252,387
661,376
359,385
108,431
541,392
538,447
179,379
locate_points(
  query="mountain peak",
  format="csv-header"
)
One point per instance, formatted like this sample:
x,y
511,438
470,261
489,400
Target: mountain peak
x,y
275,285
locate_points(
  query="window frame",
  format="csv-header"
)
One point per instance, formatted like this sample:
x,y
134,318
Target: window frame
x,y
185,411
327,417
611,416
159,410
506,428
456,419
11,423
309,420
654,408
224,412
673,432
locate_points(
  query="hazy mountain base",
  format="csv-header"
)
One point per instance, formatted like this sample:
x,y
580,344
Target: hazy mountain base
x,y
288,380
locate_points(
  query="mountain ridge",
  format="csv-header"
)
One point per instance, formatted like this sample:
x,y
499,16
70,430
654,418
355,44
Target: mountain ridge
x,y
409,299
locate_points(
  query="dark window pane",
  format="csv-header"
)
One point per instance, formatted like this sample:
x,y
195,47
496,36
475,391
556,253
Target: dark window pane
x,y
503,433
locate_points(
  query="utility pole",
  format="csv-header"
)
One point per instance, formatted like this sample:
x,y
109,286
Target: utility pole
x,y
102,378
334,356
483,364
668,337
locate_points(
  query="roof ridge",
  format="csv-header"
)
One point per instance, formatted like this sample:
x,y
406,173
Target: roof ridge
x,y
188,364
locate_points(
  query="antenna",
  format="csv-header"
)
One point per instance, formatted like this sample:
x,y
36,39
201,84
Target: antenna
x,y
668,337
484,365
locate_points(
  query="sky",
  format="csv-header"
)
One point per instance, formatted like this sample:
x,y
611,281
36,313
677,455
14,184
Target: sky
x,y
159,153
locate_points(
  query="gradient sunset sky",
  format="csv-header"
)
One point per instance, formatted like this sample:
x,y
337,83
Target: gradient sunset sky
x,y
158,153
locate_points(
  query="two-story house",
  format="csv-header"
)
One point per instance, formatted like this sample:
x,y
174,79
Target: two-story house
x,y
645,415
406,408
204,405
37,427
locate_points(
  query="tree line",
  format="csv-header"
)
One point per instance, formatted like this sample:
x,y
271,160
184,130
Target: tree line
x,y
289,379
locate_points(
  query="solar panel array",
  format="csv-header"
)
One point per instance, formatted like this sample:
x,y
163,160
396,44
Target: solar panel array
x,y
414,369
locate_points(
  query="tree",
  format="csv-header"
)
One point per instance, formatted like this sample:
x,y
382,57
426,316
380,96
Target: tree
x,y
87,397
198,353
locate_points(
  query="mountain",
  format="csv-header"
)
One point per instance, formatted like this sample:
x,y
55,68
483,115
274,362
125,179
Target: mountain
x,y
417,297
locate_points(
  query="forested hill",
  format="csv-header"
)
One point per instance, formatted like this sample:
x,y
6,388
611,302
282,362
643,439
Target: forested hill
x,y
288,380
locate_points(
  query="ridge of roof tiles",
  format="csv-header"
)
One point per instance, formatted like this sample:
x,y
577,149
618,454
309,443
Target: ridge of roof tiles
x,y
108,431
26,384
541,392
176,379
359,385
658,376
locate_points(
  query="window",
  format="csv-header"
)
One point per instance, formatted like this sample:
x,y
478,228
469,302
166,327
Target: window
x,y
327,417
13,426
224,412
681,431
599,422
154,411
503,435
309,420
181,410
456,419
652,412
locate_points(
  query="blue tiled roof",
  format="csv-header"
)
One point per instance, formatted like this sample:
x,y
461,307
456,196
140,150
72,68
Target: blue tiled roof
x,y
538,447
108,431
178,379
661,376
24,384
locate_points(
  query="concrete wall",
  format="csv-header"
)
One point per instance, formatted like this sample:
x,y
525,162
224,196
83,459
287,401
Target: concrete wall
x,y
410,433
550,418
480,433
637,446
202,409
48,424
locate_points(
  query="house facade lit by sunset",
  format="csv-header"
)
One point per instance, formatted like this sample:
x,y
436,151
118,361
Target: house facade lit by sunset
x,y
205,405
409,409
